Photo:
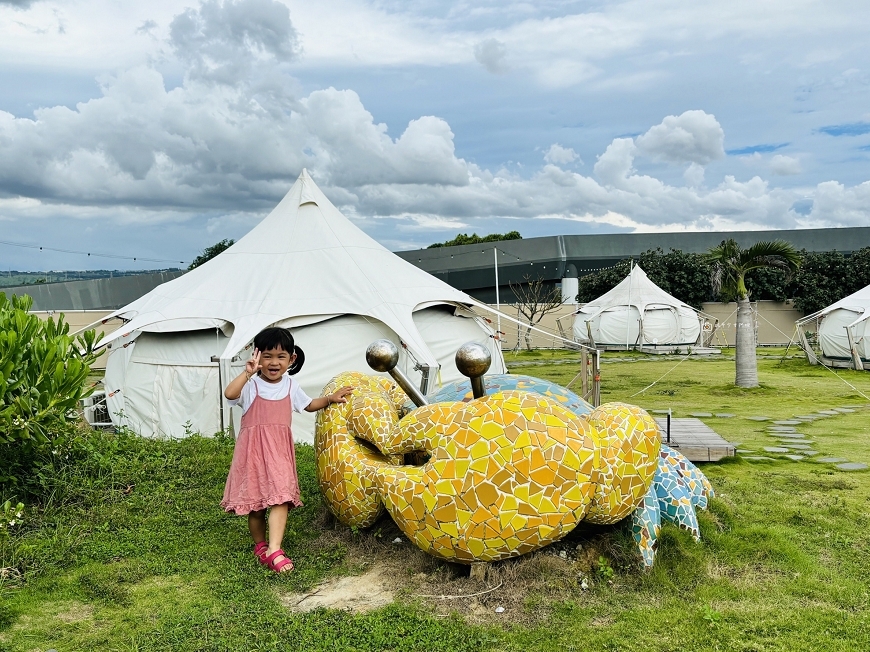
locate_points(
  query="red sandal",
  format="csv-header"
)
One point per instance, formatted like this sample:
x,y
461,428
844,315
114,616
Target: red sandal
x,y
278,565
260,551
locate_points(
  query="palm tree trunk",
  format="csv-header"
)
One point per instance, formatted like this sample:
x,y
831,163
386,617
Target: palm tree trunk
x,y
745,362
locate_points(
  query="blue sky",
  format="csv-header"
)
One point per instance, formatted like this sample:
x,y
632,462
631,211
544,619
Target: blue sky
x,y
157,129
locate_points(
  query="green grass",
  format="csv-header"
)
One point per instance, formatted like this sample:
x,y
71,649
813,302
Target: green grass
x,y
131,551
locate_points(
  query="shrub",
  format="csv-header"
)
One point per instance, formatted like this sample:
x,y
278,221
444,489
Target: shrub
x,y
43,370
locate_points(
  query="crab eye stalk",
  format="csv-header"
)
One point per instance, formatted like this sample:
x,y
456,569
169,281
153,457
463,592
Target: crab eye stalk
x,y
473,360
383,356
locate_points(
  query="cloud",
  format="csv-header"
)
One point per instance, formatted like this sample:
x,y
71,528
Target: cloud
x,y
558,155
491,55
692,137
837,205
694,174
232,136
785,165
147,27
222,41
18,4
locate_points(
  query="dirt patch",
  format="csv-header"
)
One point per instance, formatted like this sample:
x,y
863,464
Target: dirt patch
x,y
358,593
382,565
76,612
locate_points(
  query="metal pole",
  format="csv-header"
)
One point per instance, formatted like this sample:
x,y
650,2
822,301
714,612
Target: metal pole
x,y
669,426
497,301
628,315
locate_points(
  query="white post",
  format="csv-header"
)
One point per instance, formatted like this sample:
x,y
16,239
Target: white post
x,y
497,302
628,315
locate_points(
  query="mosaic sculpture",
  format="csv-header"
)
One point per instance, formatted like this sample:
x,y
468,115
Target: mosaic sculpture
x,y
508,473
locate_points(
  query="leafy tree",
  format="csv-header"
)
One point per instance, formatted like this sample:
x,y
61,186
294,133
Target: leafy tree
x,y
210,252
464,238
729,265
42,379
828,277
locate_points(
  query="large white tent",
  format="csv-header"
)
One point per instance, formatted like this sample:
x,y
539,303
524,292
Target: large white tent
x,y
637,313
847,318
305,267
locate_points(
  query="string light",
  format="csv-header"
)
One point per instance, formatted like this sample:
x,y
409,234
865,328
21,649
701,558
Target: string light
x,y
88,253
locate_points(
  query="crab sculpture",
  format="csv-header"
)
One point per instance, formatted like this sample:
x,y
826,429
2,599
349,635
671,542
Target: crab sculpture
x,y
506,474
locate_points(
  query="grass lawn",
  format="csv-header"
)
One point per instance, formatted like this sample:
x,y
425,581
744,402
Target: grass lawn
x,y
131,551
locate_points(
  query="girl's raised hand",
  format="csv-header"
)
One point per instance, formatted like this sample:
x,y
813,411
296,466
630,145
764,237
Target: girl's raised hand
x,y
252,366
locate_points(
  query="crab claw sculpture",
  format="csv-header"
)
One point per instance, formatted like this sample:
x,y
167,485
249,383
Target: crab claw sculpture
x,y
508,473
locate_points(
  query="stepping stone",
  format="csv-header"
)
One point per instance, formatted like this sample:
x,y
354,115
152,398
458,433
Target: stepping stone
x,y
809,453
743,452
788,435
700,414
807,417
795,458
788,422
832,460
852,466
758,418
775,449
781,429
829,413
724,415
798,447
844,410
795,442
853,407
758,458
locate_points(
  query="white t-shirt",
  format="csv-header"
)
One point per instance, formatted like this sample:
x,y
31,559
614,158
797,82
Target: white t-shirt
x,y
272,392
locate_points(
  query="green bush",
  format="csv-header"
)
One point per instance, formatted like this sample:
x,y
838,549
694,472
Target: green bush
x,y
43,370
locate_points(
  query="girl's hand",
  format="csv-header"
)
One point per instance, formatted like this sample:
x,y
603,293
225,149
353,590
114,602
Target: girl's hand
x,y
339,395
252,366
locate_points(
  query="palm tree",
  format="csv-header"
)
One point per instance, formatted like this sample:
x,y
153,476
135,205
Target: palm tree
x,y
729,265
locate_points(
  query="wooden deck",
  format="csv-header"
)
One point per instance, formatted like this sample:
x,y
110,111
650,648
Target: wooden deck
x,y
696,440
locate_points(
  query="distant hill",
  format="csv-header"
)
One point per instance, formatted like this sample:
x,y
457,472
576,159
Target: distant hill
x,y
11,277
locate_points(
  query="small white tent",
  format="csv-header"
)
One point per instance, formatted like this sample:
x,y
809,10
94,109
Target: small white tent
x,y
305,267
637,313
847,318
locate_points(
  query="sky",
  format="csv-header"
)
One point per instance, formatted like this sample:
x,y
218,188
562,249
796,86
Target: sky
x,y
153,130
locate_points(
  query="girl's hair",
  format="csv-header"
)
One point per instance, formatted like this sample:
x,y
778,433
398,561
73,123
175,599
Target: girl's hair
x,y
280,338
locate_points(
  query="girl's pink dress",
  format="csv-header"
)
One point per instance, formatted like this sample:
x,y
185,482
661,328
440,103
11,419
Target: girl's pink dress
x,y
263,471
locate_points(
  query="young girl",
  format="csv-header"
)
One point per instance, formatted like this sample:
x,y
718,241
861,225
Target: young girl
x,y
263,471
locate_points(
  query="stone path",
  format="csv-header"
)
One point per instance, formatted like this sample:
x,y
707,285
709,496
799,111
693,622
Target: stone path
x,y
795,446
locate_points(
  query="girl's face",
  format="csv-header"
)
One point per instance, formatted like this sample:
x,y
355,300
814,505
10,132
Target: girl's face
x,y
274,364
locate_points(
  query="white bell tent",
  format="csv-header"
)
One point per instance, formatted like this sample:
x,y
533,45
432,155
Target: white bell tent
x,y
637,313
842,321
305,267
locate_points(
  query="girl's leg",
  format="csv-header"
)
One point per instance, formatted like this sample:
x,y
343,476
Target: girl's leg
x,y
277,523
257,525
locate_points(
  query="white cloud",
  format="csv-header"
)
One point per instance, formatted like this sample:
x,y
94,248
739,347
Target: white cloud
x,y
224,40
558,155
491,54
694,174
692,137
785,165
227,142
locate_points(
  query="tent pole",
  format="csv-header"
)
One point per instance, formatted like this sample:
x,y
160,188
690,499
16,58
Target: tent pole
x,y
628,312
856,358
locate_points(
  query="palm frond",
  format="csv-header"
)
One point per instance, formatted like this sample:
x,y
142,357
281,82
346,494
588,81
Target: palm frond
x,y
775,253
